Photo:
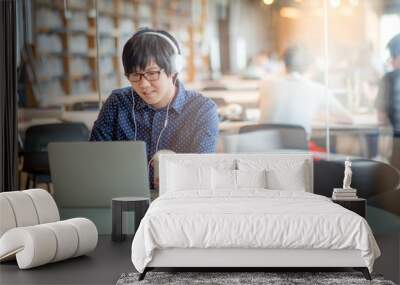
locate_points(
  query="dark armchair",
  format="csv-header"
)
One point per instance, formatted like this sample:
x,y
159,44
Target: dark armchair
x,y
375,181
35,156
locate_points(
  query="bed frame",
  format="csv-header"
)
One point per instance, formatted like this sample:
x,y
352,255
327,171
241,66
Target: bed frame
x,y
240,259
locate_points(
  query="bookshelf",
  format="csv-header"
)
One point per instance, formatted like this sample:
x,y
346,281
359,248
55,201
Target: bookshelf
x,y
64,49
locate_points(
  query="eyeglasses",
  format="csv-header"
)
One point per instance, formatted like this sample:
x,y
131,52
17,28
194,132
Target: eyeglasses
x,y
149,76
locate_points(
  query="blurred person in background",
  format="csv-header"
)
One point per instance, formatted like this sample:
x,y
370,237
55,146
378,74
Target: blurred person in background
x,y
261,65
388,100
257,67
365,71
295,99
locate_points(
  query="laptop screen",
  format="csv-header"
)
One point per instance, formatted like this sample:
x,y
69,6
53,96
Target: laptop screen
x,y
90,174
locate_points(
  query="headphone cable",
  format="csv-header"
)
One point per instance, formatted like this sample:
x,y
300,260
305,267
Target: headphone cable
x,y
165,124
133,112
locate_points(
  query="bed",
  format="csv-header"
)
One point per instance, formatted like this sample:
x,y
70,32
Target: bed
x,y
247,210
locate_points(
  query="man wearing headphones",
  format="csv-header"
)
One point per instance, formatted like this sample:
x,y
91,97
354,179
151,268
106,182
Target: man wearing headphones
x,y
156,108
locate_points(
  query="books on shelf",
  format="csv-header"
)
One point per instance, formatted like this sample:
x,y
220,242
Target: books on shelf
x,y
344,194
341,190
336,197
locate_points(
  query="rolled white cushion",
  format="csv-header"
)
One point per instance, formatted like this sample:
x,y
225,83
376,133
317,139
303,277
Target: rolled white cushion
x,y
41,244
7,218
87,233
26,208
34,245
23,208
67,240
45,205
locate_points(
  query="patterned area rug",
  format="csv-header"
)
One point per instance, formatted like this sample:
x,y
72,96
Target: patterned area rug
x,y
229,278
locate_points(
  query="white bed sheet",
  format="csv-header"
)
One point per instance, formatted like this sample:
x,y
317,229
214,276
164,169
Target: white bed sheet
x,y
251,218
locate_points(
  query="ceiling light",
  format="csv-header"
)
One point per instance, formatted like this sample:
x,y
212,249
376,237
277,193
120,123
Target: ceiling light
x,y
335,3
268,2
354,2
290,12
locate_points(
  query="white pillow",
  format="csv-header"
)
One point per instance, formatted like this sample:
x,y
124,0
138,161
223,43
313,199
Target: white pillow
x,y
251,178
183,177
223,179
278,180
281,174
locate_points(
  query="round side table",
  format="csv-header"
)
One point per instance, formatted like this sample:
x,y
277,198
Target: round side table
x,y
123,204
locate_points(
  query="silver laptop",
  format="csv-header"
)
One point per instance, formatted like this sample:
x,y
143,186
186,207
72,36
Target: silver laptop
x,y
90,174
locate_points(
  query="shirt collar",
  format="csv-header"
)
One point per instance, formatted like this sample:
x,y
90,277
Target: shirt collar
x,y
177,104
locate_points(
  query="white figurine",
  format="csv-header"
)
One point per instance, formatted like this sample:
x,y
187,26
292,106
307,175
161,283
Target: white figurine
x,y
347,174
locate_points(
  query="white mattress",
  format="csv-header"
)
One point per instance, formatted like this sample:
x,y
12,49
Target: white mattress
x,y
251,218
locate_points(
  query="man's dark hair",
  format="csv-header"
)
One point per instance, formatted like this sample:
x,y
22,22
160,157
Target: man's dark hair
x,y
142,48
297,59
394,46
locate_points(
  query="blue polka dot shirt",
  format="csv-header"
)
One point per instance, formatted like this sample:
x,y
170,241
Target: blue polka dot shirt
x,y
192,122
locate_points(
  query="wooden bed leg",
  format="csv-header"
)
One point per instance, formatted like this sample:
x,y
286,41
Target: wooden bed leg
x,y
364,271
143,274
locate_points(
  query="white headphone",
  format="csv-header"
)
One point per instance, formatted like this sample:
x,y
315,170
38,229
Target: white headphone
x,y
176,59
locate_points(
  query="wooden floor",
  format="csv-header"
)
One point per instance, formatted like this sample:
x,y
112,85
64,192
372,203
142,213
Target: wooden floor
x,y
110,259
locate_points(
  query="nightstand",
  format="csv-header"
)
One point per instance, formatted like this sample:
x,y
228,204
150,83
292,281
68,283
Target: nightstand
x,y
119,205
357,205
